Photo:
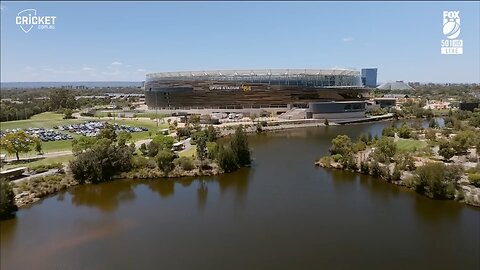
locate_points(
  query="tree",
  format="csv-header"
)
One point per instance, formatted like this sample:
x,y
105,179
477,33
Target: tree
x,y
17,142
430,134
108,132
446,150
342,144
123,137
388,131
143,149
226,159
67,114
165,161
211,133
62,99
432,123
7,199
437,180
404,131
385,149
240,148
102,161
82,144
38,146
201,148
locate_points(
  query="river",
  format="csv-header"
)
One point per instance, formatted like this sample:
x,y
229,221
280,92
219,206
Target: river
x,y
282,213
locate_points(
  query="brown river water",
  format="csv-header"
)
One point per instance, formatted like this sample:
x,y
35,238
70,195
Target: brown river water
x,y
282,213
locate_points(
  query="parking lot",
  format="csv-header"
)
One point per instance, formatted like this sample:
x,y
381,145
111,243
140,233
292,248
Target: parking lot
x,y
93,128
59,133
41,133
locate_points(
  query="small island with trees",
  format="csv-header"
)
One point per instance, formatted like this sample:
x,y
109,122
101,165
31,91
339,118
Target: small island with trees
x,y
441,163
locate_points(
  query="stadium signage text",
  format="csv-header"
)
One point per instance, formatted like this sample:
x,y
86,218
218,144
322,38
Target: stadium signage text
x,y
242,87
451,30
28,18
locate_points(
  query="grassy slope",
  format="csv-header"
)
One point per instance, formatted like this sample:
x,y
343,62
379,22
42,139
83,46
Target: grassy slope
x,y
409,145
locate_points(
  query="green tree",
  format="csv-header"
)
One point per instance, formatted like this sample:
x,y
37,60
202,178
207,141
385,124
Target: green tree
x,y
165,161
404,131
211,134
123,137
446,150
201,148
240,147
7,199
388,131
82,144
108,133
437,180
227,159
342,144
101,162
38,146
143,149
68,114
432,123
385,149
17,142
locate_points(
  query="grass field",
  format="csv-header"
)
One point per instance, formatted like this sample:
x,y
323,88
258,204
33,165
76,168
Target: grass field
x,y
49,120
190,152
410,145
44,161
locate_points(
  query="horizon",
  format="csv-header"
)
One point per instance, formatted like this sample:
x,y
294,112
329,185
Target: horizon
x,y
401,39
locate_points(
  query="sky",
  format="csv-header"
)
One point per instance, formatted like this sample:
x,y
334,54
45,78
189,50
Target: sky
x,y
122,41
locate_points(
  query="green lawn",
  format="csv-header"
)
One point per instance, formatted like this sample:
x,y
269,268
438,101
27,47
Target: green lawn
x,y
44,161
43,120
190,152
410,145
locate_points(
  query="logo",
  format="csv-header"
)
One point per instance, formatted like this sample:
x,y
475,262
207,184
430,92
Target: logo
x,y
451,30
28,18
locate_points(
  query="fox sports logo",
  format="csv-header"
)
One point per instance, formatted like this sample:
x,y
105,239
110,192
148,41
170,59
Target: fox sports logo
x,y
451,24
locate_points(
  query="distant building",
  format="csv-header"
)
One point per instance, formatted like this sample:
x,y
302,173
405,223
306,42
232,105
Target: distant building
x,y
398,85
386,102
369,77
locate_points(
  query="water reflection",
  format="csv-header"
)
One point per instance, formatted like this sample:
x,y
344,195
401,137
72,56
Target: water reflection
x,y
106,196
164,187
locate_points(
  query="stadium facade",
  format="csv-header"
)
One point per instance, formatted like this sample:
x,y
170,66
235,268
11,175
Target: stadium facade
x,y
256,89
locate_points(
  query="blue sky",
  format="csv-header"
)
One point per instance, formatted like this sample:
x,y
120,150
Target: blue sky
x,y
111,41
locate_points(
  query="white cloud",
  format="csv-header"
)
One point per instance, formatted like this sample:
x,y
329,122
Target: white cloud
x,y
347,39
141,70
116,63
88,69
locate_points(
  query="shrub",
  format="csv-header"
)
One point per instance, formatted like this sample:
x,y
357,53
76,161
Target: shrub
x,y
364,167
437,180
474,179
165,161
185,163
7,199
337,157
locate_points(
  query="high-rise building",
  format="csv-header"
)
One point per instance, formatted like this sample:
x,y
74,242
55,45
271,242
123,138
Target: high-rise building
x,y
369,77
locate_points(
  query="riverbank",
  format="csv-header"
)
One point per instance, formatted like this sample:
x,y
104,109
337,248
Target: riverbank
x,y
463,191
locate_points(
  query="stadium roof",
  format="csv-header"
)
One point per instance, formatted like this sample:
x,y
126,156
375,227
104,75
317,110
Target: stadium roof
x,y
256,72
398,85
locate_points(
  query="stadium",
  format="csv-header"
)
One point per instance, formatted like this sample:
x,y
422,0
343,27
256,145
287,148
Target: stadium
x,y
282,89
